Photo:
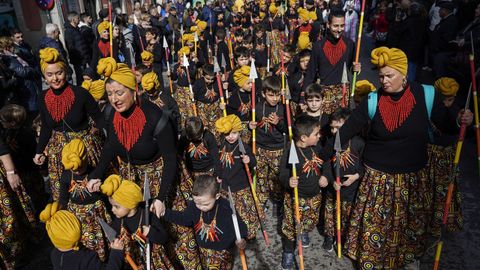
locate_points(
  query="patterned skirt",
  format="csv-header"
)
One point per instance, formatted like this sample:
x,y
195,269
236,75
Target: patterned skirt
x,y
185,104
216,260
17,220
92,233
309,215
245,206
246,134
331,215
388,223
334,98
439,171
276,47
210,113
268,183
136,173
93,141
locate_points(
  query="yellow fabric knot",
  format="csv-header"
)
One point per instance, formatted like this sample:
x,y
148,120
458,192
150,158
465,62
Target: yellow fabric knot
x,y
184,50
106,66
228,124
273,9
50,56
147,57
105,25
363,87
202,25
303,14
240,76
150,82
62,227
394,58
188,38
124,192
120,72
447,86
312,15
95,88
262,15
304,41
74,154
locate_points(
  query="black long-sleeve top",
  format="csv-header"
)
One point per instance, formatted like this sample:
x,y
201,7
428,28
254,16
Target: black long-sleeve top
x,y
270,136
405,149
191,215
238,97
235,175
295,84
76,119
85,259
180,74
308,183
157,233
198,162
222,49
320,67
350,163
3,148
78,195
148,148
200,89
169,104
22,144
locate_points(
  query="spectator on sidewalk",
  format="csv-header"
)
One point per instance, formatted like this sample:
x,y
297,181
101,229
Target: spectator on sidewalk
x,y
52,40
23,49
88,34
76,46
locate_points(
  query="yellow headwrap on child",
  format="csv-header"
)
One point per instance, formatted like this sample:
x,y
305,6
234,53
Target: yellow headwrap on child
x,y
240,76
62,227
184,50
95,88
188,38
124,192
394,58
150,82
74,154
363,87
120,72
50,56
304,40
105,25
202,25
147,57
273,9
447,86
303,14
229,123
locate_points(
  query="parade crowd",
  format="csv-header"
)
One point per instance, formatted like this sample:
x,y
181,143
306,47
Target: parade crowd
x,y
166,138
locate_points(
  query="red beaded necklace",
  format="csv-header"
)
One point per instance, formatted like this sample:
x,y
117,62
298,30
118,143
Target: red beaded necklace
x,y
334,52
59,105
394,113
129,129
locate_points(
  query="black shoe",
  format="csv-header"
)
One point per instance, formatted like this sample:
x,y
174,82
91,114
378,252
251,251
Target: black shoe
x,y
305,240
287,260
328,244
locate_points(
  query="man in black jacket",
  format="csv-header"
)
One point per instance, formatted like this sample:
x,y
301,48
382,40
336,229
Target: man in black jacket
x,y
76,46
88,34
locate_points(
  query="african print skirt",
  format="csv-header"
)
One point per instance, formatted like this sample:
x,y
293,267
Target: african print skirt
x,y
331,215
334,97
268,183
185,104
210,113
92,233
276,46
309,215
17,220
439,169
246,133
93,141
245,206
388,223
216,260
136,173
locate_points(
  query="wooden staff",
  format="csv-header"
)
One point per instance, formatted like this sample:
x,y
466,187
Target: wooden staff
x,y
357,53
475,98
111,26
338,149
344,85
237,229
216,69
190,88
165,47
253,75
230,49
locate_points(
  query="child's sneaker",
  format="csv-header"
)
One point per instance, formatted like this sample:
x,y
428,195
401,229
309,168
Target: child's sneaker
x,y
287,260
328,244
305,240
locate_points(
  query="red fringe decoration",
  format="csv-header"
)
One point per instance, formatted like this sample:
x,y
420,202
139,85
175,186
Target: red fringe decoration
x,y
129,129
334,52
59,106
394,113
305,28
104,48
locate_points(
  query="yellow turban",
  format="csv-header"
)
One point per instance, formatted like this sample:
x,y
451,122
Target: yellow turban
x,y
202,25
229,123
150,82
147,57
304,40
50,56
188,38
363,87
312,15
303,14
95,88
394,58
447,86
74,155
184,50
105,25
63,227
120,72
261,15
273,9
240,76
238,6
194,29
126,193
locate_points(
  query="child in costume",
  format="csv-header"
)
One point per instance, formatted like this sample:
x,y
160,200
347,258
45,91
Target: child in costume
x,y
63,229
75,197
234,174
351,173
313,108
210,215
125,197
311,177
295,82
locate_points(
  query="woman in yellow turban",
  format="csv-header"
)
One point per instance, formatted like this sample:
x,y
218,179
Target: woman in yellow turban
x,y
155,93
65,232
65,112
449,88
395,156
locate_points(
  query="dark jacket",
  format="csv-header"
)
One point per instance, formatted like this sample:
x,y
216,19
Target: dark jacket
x,y
444,32
76,46
409,36
89,37
25,52
47,42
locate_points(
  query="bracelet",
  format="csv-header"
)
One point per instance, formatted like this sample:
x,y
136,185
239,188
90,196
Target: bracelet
x,y
11,172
